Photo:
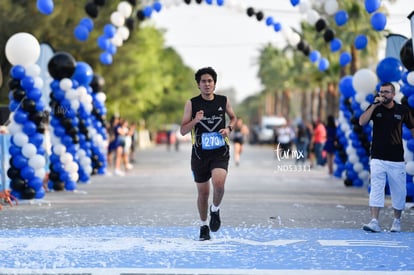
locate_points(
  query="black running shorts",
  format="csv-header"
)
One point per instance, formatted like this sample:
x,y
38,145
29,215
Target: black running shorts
x,y
202,167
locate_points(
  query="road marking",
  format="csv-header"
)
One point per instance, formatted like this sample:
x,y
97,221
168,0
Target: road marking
x,y
390,244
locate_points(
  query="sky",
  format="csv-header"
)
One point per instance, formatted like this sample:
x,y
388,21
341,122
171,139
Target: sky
x,y
227,39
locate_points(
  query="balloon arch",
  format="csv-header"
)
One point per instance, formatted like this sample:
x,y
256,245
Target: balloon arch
x,y
77,101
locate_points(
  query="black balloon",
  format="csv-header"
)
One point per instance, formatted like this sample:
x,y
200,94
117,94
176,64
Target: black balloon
x,y
348,182
140,15
37,117
61,65
58,186
28,193
199,1
91,9
130,23
19,94
407,55
14,84
328,35
320,24
99,2
133,2
259,16
187,2
29,105
97,83
250,11
13,173
17,184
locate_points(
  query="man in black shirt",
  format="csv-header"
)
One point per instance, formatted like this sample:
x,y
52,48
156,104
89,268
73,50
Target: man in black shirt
x,y
205,116
387,154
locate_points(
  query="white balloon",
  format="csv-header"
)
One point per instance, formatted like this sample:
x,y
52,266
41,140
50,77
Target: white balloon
x,y
33,70
59,149
304,6
410,167
364,105
125,8
22,49
363,175
410,78
65,84
74,176
37,161
360,98
66,158
331,7
364,81
74,104
38,82
117,19
358,167
15,128
353,158
101,97
40,173
20,139
312,16
29,150
123,32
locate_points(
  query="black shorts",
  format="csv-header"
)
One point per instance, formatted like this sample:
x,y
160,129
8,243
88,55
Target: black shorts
x,y
202,167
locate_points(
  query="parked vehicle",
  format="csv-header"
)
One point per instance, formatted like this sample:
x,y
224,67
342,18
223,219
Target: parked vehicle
x,y
264,133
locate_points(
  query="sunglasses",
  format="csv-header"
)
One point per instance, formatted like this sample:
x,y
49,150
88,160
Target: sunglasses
x,y
385,92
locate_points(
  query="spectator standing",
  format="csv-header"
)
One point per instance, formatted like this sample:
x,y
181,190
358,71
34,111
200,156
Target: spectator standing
x,y
318,141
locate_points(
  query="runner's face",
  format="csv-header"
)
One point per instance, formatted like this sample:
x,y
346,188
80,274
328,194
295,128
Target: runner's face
x,y
206,84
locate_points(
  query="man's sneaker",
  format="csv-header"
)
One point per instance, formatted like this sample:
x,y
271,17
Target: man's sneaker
x,y
204,233
373,226
396,226
214,220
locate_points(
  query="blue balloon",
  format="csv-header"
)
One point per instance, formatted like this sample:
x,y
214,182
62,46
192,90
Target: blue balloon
x,y
209,2
83,73
17,72
34,94
406,133
27,173
269,21
27,82
35,183
147,11
81,33
37,140
157,6
20,116
277,26
361,41
40,193
336,44
14,150
323,64
345,58
29,128
87,23
341,18
346,87
220,2
407,90
19,161
105,58
378,21
294,2
314,56
389,69
103,42
372,5
45,6
109,30
410,144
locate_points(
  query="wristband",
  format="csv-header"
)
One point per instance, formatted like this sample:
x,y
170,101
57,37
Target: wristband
x,y
230,128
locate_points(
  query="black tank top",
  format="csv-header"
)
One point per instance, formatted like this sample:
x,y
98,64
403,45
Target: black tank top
x,y
205,140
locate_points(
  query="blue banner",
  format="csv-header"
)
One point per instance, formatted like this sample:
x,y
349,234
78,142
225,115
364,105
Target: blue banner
x,y
4,161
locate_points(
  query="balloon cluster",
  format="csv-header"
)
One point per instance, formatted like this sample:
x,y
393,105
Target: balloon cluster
x,y
407,89
27,162
97,130
331,7
115,33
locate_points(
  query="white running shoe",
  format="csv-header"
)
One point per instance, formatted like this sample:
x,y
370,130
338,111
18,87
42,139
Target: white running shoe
x,y
119,173
372,226
396,226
